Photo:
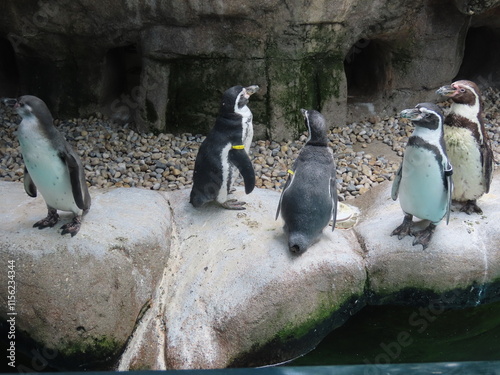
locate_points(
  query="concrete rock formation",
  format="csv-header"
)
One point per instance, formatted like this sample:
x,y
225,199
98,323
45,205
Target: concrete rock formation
x,y
163,285
164,65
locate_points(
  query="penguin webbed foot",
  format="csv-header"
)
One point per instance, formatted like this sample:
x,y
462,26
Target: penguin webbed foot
x,y
48,222
423,237
404,229
471,207
233,204
72,227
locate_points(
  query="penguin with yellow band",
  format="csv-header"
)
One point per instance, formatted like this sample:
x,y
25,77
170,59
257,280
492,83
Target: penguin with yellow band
x,y
309,199
224,152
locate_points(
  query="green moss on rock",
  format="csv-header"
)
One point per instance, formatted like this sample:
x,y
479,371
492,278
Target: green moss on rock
x,y
297,338
91,350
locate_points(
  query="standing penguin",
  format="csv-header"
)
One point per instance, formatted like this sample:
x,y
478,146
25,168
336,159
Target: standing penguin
x,y
423,181
51,165
224,151
467,144
309,199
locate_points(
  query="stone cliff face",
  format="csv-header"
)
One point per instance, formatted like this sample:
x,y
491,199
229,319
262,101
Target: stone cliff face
x,y
164,65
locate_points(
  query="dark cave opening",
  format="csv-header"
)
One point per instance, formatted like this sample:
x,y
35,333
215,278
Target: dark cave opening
x,y
366,68
9,74
481,59
122,70
122,78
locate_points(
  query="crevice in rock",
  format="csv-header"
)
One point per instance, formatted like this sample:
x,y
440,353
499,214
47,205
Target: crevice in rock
x,y
361,242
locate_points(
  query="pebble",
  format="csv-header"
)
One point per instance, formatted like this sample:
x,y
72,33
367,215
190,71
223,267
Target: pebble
x,y
116,156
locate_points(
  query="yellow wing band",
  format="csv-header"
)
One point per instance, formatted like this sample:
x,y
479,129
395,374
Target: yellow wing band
x,y
239,147
291,172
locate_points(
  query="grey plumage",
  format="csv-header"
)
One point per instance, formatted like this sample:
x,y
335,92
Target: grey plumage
x,y
309,199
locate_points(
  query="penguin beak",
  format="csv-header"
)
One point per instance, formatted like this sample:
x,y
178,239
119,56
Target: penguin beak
x,y
446,91
413,114
9,102
252,89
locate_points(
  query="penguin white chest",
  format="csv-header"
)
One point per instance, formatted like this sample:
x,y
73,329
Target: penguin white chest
x,y
464,155
48,172
247,127
422,192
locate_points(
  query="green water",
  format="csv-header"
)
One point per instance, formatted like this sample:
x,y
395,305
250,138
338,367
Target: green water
x,y
396,334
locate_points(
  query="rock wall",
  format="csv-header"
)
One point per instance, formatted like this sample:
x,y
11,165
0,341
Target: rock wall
x,y
163,65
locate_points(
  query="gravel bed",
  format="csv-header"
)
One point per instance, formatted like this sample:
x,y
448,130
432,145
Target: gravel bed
x,y
117,156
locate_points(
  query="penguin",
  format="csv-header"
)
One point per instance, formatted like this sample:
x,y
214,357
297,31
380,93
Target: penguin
x,y
423,181
309,199
225,151
467,144
51,165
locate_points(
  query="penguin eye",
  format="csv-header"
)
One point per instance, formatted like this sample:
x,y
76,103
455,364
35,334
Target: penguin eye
x,y
462,90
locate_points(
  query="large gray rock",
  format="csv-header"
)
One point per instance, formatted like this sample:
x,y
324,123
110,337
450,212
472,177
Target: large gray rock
x,y
461,266
80,297
227,277
165,64
237,298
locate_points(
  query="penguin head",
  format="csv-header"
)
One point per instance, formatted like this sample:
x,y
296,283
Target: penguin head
x,y
236,98
316,126
426,115
462,92
30,106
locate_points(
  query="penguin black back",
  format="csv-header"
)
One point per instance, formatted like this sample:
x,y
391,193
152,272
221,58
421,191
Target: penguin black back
x,y
309,198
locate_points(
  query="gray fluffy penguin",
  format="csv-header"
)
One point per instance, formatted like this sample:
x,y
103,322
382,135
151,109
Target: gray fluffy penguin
x,y
309,199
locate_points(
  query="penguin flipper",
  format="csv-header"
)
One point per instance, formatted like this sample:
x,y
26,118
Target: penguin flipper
x,y
29,185
240,159
333,195
396,182
77,178
449,185
287,184
487,159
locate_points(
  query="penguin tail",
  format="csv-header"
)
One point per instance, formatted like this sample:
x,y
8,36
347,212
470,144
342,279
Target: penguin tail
x,y
297,244
196,199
